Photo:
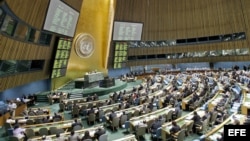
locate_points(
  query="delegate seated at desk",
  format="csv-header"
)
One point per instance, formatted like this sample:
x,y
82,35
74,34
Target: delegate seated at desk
x,y
99,132
112,115
197,121
76,123
73,136
19,132
155,125
175,128
86,136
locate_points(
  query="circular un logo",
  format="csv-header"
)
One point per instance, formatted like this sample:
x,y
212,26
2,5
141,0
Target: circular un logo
x,y
84,45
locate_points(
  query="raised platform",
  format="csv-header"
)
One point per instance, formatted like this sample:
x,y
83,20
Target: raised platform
x,y
70,88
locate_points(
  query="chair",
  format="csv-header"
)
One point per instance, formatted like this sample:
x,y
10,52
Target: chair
x,y
124,118
141,131
129,115
136,113
169,116
180,136
203,127
29,122
43,131
52,130
115,123
91,118
127,125
103,137
12,138
149,124
59,131
177,116
213,118
190,127
157,135
77,127
57,119
31,113
29,132
40,112
101,115
38,121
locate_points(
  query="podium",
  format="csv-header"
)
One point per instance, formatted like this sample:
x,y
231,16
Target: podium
x,y
107,82
89,80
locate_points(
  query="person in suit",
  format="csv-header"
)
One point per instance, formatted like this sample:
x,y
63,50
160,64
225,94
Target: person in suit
x,y
91,111
76,123
99,132
73,136
177,110
150,106
155,125
58,137
46,119
88,99
57,116
175,128
86,136
197,121
112,115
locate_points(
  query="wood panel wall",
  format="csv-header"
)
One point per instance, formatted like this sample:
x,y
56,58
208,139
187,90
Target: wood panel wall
x,y
178,19
182,19
33,13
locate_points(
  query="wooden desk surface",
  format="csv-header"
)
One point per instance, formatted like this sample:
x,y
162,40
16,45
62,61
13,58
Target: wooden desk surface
x,y
130,137
66,134
60,125
215,132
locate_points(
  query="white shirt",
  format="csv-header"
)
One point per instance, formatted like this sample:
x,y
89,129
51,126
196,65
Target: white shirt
x,y
19,132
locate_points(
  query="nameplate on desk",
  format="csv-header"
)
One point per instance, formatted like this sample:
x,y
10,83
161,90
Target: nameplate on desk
x,y
241,132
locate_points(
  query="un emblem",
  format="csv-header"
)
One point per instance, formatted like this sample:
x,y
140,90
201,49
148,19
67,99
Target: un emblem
x,y
84,45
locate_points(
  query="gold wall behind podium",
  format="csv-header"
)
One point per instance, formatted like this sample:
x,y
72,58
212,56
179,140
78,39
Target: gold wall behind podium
x,y
96,18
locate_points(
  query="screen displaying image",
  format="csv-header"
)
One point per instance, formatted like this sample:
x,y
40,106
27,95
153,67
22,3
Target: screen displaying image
x,y
127,31
61,18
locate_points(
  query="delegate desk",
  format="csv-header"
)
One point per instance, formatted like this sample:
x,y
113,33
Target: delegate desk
x,y
184,120
106,108
45,110
92,103
75,100
65,135
214,101
130,137
245,107
66,125
120,112
23,119
216,132
93,77
185,101
149,117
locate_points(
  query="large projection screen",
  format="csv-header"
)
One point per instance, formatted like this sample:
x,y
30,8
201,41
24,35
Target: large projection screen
x,y
127,31
61,18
